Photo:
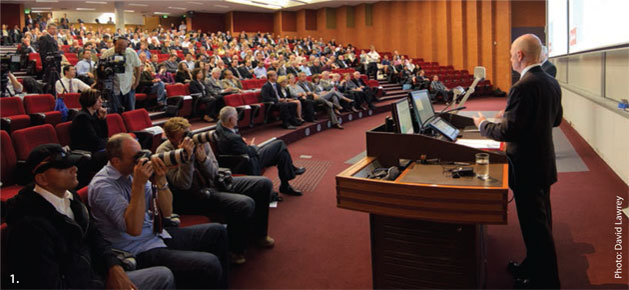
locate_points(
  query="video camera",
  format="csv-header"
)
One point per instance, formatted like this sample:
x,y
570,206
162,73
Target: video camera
x,y
114,64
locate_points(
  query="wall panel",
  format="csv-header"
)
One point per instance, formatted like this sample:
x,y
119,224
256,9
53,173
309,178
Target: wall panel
x,y
252,21
211,22
10,14
289,21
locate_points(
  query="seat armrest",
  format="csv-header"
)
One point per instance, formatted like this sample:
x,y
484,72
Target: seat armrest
x,y
238,164
37,118
5,124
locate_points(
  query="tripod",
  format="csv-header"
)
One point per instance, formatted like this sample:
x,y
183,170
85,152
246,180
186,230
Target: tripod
x,y
52,75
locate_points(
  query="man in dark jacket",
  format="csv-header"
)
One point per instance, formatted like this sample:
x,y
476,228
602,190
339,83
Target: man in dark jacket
x,y
533,109
274,153
272,93
52,240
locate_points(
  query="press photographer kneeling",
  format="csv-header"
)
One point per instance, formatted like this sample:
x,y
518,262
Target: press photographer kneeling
x,y
244,203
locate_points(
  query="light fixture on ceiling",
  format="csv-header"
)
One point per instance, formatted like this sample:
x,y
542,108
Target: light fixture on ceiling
x,y
95,2
140,5
41,8
161,13
176,8
129,11
195,3
221,6
46,1
85,9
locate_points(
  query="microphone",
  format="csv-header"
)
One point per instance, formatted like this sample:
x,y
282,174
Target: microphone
x,y
454,109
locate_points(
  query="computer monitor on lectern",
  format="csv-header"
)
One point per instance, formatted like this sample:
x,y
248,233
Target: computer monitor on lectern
x,y
422,107
402,117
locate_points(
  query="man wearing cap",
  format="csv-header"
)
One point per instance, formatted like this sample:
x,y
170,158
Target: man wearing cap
x,y
52,240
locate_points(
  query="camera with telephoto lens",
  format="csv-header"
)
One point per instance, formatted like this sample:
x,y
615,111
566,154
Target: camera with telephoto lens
x,y
200,138
170,158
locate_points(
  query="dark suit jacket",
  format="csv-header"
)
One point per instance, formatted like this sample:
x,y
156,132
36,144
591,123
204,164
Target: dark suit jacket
x,y
196,87
88,132
533,109
228,142
244,72
46,44
268,95
550,68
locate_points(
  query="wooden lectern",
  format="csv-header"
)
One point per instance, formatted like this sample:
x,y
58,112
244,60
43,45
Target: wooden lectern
x,y
427,228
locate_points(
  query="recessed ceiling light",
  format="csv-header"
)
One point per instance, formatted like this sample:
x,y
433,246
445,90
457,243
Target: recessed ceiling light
x,y
135,4
46,1
41,8
221,6
86,9
129,11
95,2
161,13
176,8
196,3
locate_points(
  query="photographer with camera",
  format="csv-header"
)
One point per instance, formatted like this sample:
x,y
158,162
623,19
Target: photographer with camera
x,y
10,85
129,198
197,191
127,68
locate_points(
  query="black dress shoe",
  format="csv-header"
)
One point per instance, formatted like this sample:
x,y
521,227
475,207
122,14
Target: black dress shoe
x,y
286,126
275,196
290,190
299,170
518,270
338,126
355,110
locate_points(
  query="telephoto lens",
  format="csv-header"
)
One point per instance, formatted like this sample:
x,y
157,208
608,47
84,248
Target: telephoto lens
x,y
201,137
170,158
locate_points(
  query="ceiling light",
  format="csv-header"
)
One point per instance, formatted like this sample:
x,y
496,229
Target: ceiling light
x,y
177,8
129,11
221,6
41,8
240,1
95,2
86,9
196,3
135,4
46,1
161,13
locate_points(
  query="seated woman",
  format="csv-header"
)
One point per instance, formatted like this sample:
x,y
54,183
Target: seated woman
x,y
183,73
197,87
283,82
324,87
89,132
164,75
152,85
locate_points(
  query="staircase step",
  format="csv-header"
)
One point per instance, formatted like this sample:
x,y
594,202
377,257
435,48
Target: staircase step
x,y
393,92
157,115
391,97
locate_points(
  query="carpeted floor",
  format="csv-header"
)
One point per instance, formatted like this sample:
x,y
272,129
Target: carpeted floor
x,y
321,246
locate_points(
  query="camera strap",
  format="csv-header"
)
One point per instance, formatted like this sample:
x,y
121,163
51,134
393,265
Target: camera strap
x,y
158,225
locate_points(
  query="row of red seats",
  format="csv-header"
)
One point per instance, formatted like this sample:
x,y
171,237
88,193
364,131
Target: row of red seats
x,y
20,143
33,110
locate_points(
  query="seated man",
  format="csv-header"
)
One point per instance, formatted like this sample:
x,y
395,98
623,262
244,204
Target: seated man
x,y
128,209
85,68
69,84
437,88
260,70
53,242
370,92
305,92
274,153
271,92
245,206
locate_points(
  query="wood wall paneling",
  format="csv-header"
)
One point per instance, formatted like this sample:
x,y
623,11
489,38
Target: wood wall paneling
x,y
211,22
457,33
311,19
10,14
530,13
503,44
252,21
289,21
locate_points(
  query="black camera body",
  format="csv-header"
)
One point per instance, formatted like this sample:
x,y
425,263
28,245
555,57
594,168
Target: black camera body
x,y
110,66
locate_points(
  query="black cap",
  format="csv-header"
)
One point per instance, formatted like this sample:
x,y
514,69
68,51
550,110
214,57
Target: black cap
x,y
48,156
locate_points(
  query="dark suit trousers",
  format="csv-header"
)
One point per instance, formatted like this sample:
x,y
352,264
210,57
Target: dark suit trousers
x,y
307,106
246,208
535,216
276,153
288,112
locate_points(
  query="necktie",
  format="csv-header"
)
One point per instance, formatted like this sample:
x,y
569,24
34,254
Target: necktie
x,y
238,72
70,85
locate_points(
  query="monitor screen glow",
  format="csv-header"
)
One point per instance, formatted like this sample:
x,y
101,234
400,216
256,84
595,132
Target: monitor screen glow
x,y
422,106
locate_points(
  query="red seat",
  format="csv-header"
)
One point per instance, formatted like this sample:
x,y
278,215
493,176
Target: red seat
x,y
44,104
71,100
178,90
8,161
244,113
26,139
190,220
254,99
13,115
115,125
137,120
63,133
34,57
83,194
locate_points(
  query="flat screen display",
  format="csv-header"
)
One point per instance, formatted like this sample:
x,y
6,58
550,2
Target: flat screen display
x,y
445,128
422,106
402,116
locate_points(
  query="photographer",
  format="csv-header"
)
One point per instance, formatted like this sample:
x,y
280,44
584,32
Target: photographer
x,y
130,196
10,85
127,81
245,205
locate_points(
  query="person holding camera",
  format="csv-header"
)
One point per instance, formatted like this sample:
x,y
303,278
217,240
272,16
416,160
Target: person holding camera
x,y
13,86
127,81
197,191
129,198
52,240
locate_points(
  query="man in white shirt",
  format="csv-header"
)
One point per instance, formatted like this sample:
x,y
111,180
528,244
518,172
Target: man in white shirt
x,y
124,83
69,84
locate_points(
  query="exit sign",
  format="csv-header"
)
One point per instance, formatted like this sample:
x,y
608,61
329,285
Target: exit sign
x,y
27,11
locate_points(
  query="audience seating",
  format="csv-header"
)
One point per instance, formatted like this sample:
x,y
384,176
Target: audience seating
x,y
24,140
63,133
176,94
8,161
72,102
13,115
115,125
244,111
138,120
254,99
35,59
42,109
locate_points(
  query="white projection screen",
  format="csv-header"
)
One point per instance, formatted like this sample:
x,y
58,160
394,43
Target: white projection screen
x,y
582,25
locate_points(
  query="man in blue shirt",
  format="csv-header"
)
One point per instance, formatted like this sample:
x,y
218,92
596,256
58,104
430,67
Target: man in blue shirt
x,y
260,71
128,210
85,67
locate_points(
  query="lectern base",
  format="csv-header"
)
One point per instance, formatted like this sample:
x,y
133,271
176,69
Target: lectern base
x,y
412,254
